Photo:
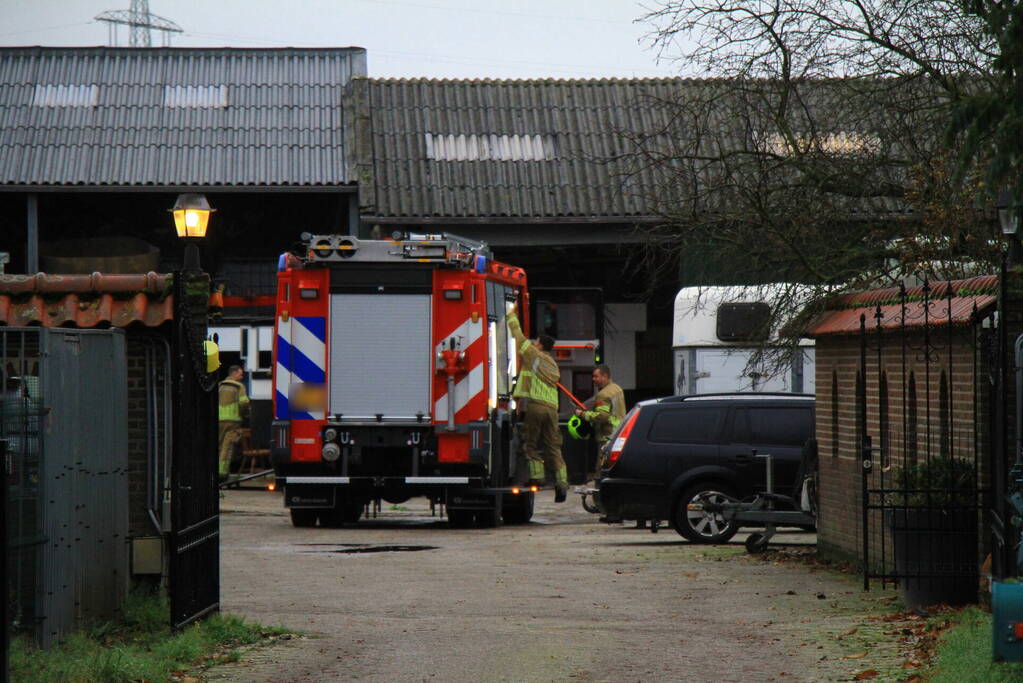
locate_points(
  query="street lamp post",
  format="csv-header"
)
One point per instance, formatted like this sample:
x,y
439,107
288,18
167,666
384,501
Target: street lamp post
x,y
193,546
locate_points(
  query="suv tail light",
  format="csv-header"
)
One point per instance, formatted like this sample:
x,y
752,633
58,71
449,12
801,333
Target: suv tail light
x,y
618,445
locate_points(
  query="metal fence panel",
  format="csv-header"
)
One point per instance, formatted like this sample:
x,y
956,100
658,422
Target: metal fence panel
x,y
85,478
65,413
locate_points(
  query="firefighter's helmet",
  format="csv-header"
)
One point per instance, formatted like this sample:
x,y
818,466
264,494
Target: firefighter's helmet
x,y
579,428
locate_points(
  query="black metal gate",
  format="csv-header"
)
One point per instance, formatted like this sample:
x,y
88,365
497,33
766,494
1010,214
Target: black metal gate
x,y
999,512
195,496
923,416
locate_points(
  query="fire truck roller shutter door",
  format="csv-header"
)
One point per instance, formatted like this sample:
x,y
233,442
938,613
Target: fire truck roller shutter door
x,y
380,361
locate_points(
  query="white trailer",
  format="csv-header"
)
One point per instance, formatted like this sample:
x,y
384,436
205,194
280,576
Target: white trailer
x,y
254,345
717,332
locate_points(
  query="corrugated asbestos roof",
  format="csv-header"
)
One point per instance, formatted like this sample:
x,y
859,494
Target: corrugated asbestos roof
x,y
594,148
85,300
174,116
583,119
970,297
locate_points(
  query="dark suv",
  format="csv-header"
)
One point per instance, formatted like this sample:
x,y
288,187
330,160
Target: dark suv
x,y
669,451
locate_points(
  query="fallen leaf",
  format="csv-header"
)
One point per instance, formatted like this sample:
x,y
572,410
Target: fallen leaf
x,y
850,632
858,655
690,576
866,675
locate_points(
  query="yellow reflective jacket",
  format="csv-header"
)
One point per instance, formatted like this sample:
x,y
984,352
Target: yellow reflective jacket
x,y
539,377
608,411
234,402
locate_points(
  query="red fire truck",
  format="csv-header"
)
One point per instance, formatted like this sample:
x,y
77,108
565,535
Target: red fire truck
x,y
393,372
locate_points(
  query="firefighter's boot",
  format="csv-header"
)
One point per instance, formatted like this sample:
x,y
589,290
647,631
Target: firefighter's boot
x,y
561,483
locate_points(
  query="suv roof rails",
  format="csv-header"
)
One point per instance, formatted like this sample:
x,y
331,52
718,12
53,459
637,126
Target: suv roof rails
x,y
735,396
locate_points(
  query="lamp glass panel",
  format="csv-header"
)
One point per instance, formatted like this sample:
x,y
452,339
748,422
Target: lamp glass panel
x,y
179,223
1009,219
191,222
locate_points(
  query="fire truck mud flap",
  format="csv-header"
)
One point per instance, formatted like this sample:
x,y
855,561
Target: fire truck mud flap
x,y
305,496
473,500
474,507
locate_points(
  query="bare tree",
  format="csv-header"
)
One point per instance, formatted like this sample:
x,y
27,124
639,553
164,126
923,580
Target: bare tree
x,y
810,146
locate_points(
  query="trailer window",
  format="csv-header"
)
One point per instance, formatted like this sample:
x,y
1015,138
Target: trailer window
x,y
744,321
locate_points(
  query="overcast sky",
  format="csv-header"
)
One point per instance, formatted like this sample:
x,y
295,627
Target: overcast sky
x,y
404,38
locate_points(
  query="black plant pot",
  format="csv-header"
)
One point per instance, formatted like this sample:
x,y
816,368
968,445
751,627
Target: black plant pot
x,y
935,555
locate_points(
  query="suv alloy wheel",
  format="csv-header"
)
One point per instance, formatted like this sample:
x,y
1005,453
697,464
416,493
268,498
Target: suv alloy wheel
x,y
701,526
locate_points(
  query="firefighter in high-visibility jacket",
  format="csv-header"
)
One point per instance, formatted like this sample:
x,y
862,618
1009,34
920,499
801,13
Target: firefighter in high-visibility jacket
x,y
537,388
608,409
233,409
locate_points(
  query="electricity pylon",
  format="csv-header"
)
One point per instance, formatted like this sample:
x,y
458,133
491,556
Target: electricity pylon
x,y
140,21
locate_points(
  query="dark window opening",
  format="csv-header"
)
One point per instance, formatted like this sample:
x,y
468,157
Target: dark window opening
x,y
834,414
912,426
944,410
861,416
883,418
744,321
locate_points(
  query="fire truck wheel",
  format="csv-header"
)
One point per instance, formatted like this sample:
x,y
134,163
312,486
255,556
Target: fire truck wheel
x,y
303,518
347,513
489,519
460,518
520,511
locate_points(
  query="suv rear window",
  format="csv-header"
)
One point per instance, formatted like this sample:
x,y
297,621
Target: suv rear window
x,y
777,426
686,425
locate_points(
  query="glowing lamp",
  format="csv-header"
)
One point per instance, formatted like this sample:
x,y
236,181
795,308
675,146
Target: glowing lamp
x,y
191,215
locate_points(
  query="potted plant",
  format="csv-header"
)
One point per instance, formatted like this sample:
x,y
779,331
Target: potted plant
x,y
932,518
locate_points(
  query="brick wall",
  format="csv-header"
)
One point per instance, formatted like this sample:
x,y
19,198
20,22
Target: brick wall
x,y
956,361
147,378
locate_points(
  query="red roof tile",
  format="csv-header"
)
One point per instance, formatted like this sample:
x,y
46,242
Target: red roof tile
x,y
974,295
85,300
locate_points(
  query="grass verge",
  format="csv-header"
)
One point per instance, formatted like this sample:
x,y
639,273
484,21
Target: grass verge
x,y
963,653
140,647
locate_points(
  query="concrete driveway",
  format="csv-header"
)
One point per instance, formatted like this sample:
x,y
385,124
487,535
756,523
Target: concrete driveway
x,y
565,598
